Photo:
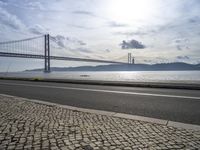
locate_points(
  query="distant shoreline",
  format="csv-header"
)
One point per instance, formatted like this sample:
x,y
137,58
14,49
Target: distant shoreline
x,y
130,67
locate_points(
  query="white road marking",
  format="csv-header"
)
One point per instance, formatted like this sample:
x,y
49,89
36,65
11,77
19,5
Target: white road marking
x,y
104,91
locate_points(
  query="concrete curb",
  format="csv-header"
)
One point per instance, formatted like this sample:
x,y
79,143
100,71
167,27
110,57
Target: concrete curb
x,y
183,125
114,114
141,118
170,85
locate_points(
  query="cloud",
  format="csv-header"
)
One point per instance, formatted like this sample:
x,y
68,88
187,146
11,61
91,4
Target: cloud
x,y
72,45
115,24
85,50
35,5
86,13
183,57
38,29
182,47
10,20
66,42
132,44
178,47
89,14
185,40
148,61
3,3
182,43
194,19
131,33
178,41
107,50
59,40
184,26
161,60
140,32
81,42
80,27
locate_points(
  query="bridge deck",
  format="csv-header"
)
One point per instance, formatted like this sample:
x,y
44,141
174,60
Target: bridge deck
x,y
4,54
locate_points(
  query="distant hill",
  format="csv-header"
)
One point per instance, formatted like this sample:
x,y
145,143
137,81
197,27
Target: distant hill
x,y
177,66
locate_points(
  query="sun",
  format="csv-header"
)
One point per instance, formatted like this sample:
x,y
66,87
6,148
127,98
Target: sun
x,y
129,10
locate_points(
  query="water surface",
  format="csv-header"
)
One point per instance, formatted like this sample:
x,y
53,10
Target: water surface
x,y
132,76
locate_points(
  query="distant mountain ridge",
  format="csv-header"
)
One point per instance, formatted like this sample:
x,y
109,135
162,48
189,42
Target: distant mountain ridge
x,y
177,66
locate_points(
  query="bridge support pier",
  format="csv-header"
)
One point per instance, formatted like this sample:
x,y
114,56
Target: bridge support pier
x,y
46,53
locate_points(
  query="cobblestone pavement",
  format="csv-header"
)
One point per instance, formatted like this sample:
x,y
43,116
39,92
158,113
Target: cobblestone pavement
x,y
28,125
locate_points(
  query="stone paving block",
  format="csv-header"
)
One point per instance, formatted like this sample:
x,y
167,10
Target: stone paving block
x,y
29,125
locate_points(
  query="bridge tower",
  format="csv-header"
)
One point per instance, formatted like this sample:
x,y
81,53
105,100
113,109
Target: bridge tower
x,y
129,58
46,53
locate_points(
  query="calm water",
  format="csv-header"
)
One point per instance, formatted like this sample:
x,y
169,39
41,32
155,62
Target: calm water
x,y
139,76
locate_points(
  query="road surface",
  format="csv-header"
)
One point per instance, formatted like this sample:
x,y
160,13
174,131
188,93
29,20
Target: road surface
x,y
169,104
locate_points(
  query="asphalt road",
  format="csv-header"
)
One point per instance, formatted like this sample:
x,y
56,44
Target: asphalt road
x,y
170,104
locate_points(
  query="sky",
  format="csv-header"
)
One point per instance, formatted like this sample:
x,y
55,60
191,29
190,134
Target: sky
x,y
154,31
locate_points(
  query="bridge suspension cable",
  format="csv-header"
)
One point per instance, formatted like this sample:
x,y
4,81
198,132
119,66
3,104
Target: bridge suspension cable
x,y
27,46
39,48
22,40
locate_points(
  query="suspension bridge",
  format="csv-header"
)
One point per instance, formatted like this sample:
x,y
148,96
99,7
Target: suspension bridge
x,y
39,48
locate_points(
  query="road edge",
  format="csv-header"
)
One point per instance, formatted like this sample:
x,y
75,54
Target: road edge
x,y
170,85
115,114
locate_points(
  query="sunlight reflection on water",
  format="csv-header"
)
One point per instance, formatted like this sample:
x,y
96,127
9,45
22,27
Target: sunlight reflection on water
x,y
135,76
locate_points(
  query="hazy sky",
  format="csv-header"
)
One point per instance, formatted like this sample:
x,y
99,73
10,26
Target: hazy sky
x,y
152,30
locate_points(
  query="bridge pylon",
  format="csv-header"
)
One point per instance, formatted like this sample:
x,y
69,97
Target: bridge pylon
x,y
46,53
